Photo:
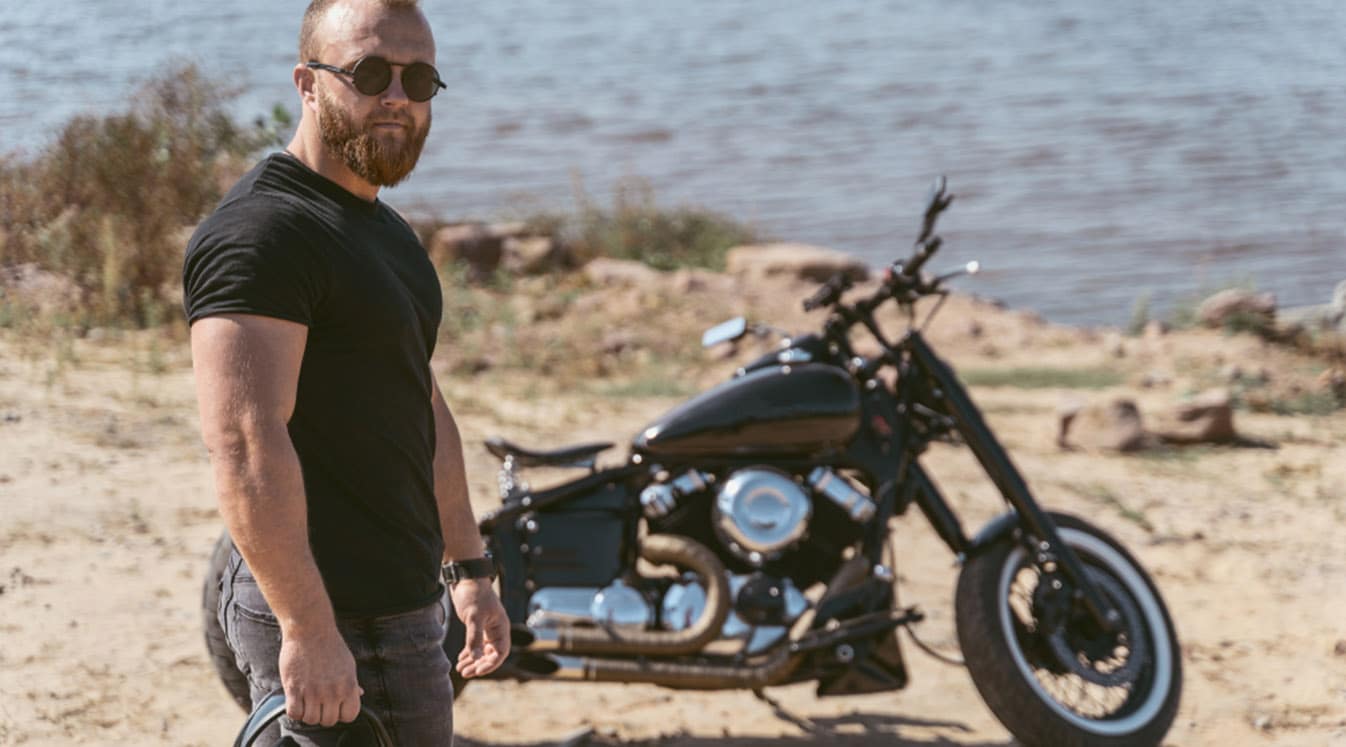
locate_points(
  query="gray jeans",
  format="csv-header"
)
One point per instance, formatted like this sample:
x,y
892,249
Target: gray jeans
x,y
399,661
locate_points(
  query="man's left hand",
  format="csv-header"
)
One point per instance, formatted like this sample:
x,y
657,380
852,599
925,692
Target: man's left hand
x,y
487,642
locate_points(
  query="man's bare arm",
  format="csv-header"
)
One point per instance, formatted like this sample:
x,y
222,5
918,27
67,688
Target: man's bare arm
x,y
474,601
247,371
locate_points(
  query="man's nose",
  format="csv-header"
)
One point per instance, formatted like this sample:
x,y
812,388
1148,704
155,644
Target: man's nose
x,y
394,95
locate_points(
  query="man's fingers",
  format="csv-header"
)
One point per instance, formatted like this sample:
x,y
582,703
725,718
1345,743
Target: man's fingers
x,y
327,714
350,709
294,706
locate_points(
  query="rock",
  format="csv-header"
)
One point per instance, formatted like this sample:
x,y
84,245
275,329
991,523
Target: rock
x,y
695,280
1110,426
27,286
974,329
533,255
1236,306
1114,345
1155,329
1328,317
800,261
1209,418
472,243
617,342
609,272
1333,381
1156,379
1231,373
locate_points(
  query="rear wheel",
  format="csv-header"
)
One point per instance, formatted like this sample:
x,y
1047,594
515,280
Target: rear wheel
x,y
1048,672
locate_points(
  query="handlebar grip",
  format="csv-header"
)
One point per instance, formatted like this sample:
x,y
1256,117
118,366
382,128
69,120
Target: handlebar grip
x,y
912,267
830,292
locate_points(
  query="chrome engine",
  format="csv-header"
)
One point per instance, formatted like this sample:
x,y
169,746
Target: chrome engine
x,y
763,610
772,604
616,605
760,513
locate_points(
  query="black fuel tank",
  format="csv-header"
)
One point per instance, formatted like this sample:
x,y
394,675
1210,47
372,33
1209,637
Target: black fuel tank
x,y
778,410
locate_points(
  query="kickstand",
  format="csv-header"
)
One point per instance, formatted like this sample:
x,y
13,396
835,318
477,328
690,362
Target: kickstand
x,y
779,711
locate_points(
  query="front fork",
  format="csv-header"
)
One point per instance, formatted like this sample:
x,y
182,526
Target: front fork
x,y
1041,538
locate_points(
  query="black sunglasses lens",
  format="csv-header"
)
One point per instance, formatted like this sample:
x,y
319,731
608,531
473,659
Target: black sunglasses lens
x,y
372,75
420,81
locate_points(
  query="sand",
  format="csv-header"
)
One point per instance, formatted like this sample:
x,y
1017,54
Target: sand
x,y
107,516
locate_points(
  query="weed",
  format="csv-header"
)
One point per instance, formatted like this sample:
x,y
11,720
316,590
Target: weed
x,y
1104,495
656,382
635,227
104,205
1043,378
1140,315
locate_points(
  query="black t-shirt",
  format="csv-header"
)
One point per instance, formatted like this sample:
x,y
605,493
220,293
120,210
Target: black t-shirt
x,y
290,244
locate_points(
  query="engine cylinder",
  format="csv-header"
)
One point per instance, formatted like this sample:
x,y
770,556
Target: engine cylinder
x,y
759,513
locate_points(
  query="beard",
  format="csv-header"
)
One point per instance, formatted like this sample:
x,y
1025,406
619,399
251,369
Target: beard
x,y
380,161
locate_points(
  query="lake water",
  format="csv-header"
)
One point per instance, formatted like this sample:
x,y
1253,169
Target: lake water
x,y
1100,151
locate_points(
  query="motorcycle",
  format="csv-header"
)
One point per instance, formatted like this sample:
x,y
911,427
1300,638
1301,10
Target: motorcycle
x,y
742,544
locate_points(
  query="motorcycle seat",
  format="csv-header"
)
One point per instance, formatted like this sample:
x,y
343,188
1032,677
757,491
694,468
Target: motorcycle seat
x,y
581,455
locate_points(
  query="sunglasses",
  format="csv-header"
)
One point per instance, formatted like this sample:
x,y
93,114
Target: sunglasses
x,y
371,76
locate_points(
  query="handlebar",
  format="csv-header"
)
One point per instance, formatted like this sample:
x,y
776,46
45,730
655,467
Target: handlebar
x,y
927,243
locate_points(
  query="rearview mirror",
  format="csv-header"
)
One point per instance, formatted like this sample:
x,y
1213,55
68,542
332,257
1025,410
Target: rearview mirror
x,y
724,332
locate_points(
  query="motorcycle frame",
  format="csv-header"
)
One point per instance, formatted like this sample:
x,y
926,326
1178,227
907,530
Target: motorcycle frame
x,y
929,394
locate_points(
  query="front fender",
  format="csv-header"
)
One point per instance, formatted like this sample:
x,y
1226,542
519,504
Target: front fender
x,y
993,532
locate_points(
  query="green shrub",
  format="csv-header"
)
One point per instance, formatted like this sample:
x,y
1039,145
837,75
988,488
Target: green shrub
x,y
105,203
635,227
1043,378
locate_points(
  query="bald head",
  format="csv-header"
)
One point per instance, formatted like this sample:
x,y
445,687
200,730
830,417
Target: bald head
x,y
316,29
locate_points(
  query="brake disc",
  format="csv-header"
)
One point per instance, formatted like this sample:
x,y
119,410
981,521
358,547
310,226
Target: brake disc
x,y
1082,647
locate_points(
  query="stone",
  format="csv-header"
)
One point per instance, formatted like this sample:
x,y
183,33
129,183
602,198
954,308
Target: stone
x,y
1110,426
1155,329
802,261
606,271
1238,306
1156,379
27,286
1208,418
471,243
1332,381
695,280
1115,345
532,255
1231,372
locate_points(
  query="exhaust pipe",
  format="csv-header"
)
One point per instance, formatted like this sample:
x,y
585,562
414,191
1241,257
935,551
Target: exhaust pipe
x,y
657,548
772,671
684,676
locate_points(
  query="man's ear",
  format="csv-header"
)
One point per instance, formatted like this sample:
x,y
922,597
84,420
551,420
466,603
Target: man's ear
x,y
304,82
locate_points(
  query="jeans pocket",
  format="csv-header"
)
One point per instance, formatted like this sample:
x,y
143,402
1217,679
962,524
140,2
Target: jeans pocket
x,y
249,602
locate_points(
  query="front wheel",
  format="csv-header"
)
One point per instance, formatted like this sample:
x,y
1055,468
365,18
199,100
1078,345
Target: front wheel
x,y
1047,671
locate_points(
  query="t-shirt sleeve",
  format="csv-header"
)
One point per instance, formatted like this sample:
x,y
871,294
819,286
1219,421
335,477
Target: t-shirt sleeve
x,y
253,259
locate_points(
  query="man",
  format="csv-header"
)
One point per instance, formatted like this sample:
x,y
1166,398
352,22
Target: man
x,y
339,470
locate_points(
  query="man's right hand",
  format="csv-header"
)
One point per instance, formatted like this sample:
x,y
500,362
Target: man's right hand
x,y
318,675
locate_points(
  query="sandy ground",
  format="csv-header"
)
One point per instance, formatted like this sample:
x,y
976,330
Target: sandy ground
x,y
107,516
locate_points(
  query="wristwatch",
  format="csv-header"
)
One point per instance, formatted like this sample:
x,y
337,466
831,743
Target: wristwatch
x,y
460,570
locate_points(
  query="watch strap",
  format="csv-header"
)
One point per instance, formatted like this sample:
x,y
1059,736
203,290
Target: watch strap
x,y
461,570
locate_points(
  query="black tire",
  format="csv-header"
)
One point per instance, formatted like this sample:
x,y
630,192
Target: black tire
x,y
223,657
220,654
1015,657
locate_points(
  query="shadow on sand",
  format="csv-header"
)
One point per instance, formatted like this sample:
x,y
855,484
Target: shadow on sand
x,y
855,730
